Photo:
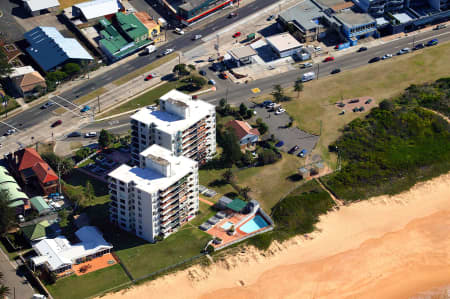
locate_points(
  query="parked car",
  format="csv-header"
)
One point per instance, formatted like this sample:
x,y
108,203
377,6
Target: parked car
x,y
202,72
210,59
212,82
329,58
179,31
318,48
404,51
280,111
196,37
56,123
149,77
21,218
432,42
368,101
386,56
10,132
418,46
362,49
302,153
237,34
90,134
270,105
232,15
279,143
270,18
266,103
74,134
335,71
361,109
224,75
294,149
48,104
440,26
307,65
85,108
375,59
353,101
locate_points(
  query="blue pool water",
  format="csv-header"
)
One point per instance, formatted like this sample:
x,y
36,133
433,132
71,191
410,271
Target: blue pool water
x,y
226,225
254,224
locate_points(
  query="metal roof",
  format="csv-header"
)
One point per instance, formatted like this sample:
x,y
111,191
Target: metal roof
x,y
13,191
237,205
49,48
39,204
97,8
36,5
283,42
304,15
242,52
131,25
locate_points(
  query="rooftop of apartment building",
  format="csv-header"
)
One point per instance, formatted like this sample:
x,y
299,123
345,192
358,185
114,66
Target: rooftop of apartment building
x,y
336,5
305,14
171,122
353,18
150,180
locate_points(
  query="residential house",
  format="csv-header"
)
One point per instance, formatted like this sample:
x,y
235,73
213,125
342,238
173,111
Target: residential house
x,y
39,205
16,197
247,135
26,80
58,255
50,49
11,52
38,7
155,198
40,231
33,170
182,125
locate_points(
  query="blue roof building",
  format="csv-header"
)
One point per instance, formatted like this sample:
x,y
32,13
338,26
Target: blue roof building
x,y
49,48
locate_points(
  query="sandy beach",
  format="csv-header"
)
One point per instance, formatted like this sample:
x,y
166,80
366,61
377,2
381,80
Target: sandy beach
x,y
386,247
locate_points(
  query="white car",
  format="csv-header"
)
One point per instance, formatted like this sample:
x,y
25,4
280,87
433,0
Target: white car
x,y
386,56
197,36
179,31
90,134
318,48
307,65
21,218
280,111
10,131
212,82
167,51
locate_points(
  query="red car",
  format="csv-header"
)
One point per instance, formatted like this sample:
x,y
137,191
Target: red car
x,y
237,34
330,58
56,123
149,77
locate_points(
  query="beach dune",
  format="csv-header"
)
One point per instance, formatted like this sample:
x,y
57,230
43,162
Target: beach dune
x,y
385,247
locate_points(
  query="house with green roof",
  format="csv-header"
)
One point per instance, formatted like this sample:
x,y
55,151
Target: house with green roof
x,y
40,231
16,197
123,36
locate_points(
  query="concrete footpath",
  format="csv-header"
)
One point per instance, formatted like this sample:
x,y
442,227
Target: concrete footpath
x,y
14,280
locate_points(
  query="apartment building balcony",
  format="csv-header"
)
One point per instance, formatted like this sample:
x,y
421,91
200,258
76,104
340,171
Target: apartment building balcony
x,y
169,207
167,197
170,215
172,187
172,220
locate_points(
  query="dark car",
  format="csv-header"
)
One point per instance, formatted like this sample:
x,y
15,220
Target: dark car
x,y
56,123
302,153
432,42
232,15
279,143
368,101
375,59
266,103
353,101
362,49
270,18
293,150
202,72
74,134
335,71
418,46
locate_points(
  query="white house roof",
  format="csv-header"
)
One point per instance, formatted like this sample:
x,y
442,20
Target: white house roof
x,y
36,5
98,8
20,71
49,48
283,42
58,252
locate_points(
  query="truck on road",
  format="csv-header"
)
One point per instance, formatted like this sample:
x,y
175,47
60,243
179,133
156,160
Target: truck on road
x,y
308,76
150,49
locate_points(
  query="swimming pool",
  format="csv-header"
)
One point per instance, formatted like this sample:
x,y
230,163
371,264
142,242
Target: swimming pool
x,y
227,225
254,224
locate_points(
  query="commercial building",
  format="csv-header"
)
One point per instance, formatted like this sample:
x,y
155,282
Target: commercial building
x,y
284,44
190,11
155,198
28,165
50,49
247,135
37,7
122,36
306,21
182,125
92,10
356,25
243,55
58,255
26,80
154,29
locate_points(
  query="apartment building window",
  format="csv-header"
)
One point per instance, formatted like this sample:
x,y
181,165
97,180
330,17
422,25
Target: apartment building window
x,y
140,215
139,203
140,221
123,224
139,208
122,189
122,213
122,207
140,226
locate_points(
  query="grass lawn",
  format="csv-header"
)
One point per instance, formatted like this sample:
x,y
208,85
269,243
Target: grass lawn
x,y
146,258
205,212
315,111
143,100
12,104
74,287
77,183
212,178
90,96
43,148
145,69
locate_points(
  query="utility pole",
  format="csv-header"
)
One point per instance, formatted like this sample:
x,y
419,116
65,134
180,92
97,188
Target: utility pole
x,y
98,103
226,95
59,177
318,70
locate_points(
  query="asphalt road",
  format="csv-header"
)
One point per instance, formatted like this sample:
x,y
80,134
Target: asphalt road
x,y
238,93
35,115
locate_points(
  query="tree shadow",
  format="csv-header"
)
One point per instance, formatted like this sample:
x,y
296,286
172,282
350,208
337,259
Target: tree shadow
x,y
295,177
218,183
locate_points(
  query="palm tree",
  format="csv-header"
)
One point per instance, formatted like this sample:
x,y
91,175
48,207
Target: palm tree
x,y
298,86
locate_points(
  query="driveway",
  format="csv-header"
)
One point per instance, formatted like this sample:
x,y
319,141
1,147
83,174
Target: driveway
x,y
13,279
291,136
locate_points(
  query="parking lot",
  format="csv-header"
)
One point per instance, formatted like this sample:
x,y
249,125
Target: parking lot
x,y
103,163
291,136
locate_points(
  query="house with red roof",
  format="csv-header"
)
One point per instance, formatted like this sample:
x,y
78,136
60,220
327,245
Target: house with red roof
x,y
33,170
247,135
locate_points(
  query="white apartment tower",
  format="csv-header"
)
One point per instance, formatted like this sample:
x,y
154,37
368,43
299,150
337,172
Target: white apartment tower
x,y
184,126
155,198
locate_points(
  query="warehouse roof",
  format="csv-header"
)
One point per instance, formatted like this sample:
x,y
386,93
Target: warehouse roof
x,y
242,52
305,15
49,48
97,8
36,5
131,25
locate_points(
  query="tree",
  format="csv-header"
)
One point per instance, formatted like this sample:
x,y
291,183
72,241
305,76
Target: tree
x,y
197,81
230,144
228,176
261,126
247,159
78,199
5,67
65,165
105,138
298,86
56,76
191,67
277,92
71,68
89,191
180,70
243,110
7,214
245,192
222,103
267,156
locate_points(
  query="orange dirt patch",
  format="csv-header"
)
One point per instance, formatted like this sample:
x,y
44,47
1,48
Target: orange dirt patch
x,y
95,264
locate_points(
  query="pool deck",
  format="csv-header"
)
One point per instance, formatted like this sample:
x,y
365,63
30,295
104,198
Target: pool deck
x,y
218,231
